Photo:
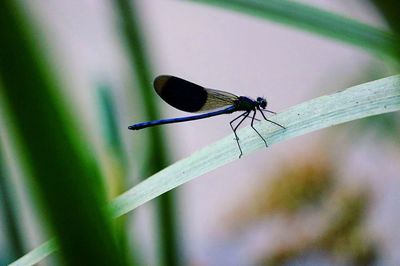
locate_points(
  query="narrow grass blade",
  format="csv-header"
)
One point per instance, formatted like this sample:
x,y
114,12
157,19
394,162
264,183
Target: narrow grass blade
x,y
368,99
372,98
316,20
37,254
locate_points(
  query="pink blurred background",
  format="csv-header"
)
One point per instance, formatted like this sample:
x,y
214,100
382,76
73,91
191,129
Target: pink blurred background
x,y
248,56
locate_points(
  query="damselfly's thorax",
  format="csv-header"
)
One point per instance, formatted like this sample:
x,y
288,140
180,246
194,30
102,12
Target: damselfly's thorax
x,y
246,104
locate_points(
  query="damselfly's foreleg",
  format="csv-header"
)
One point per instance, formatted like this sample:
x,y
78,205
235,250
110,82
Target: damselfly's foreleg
x,y
252,122
270,120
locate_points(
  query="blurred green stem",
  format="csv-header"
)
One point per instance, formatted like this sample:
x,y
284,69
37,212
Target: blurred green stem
x,y
157,151
390,10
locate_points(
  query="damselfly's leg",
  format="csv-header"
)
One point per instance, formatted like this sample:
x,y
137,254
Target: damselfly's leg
x,y
270,120
268,111
233,129
252,121
241,121
246,114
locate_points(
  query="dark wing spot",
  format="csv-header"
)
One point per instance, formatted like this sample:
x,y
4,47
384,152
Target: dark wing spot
x,y
180,93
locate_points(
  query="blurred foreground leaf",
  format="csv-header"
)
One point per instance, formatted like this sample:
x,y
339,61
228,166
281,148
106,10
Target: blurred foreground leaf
x,y
58,158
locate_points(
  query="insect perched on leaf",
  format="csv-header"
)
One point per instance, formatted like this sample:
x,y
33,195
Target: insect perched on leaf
x,y
187,96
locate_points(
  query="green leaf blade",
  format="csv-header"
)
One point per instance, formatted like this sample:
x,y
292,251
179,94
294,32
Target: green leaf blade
x,y
372,98
368,99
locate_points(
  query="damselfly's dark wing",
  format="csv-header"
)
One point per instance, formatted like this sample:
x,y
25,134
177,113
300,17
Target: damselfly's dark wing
x,y
187,96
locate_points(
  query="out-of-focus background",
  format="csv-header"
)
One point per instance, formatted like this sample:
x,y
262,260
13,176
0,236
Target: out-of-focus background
x,y
326,198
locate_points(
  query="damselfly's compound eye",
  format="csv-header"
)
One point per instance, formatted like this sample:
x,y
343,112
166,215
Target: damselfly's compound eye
x,y
262,102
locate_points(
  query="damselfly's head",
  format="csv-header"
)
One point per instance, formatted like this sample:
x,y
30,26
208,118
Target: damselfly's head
x,y
262,102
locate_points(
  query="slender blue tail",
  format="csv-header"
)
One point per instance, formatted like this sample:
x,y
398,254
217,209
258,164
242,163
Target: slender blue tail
x,y
138,126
